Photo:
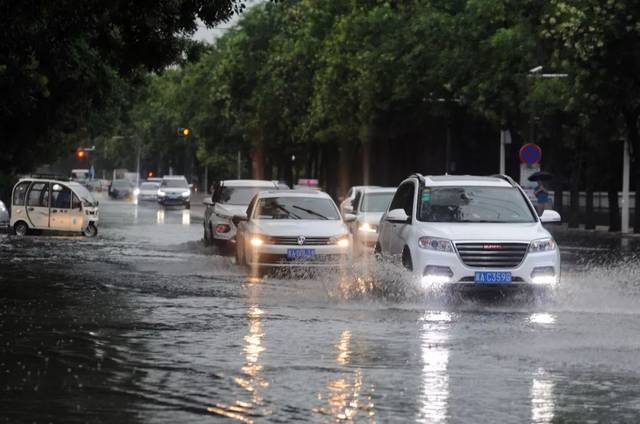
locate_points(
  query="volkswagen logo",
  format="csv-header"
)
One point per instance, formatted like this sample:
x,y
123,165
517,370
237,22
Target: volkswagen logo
x,y
301,240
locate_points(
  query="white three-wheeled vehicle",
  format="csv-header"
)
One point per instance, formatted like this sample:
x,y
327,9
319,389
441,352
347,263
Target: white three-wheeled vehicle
x,y
53,204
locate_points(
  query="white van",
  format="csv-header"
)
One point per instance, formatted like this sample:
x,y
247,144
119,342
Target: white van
x,y
40,203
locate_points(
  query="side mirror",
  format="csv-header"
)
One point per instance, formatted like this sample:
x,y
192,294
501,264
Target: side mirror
x,y
349,217
237,219
550,217
348,209
397,215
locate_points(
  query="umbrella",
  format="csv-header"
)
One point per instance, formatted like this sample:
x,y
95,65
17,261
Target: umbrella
x,y
541,176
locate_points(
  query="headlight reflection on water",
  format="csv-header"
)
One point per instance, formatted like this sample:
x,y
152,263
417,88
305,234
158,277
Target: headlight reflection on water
x,y
434,398
344,396
250,379
542,398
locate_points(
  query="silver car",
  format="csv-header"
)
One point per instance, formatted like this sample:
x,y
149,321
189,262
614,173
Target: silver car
x,y
4,215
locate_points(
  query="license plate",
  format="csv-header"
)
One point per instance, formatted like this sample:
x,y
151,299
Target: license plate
x,y
493,277
301,253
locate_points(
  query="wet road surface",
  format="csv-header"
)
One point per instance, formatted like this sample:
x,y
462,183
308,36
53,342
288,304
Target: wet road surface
x,y
145,325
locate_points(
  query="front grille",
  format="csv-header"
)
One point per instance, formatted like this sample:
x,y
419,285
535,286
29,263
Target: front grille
x,y
293,241
492,255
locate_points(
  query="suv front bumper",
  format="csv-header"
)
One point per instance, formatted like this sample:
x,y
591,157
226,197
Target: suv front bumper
x,y
462,277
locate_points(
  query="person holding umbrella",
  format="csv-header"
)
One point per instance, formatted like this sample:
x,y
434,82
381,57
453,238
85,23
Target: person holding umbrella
x,y
541,193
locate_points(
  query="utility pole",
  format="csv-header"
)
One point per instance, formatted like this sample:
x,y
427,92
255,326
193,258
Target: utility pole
x,y
239,164
625,187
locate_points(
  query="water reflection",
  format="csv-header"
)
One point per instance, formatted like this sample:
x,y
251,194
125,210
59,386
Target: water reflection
x,y
344,396
186,217
251,379
160,216
542,398
542,318
435,358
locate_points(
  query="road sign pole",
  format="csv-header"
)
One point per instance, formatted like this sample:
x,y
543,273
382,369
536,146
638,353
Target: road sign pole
x,y
502,153
625,188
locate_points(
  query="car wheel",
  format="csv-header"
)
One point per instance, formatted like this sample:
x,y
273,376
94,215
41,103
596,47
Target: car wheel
x,y
207,235
406,259
21,228
90,230
377,252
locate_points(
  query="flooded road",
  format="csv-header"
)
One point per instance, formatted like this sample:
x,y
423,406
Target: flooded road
x,y
143,324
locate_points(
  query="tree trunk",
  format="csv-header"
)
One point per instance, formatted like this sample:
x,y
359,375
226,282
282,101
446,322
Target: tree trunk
x,y
589,222
614,209
574,206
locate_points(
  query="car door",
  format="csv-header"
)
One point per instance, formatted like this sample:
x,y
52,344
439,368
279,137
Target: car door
x,y
398,232
76,214
38,205
60,207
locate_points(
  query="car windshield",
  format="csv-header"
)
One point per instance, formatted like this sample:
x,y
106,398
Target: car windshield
x,y
149,186
376,202
236,195
85,195
296,208
473,204
121,184
177,183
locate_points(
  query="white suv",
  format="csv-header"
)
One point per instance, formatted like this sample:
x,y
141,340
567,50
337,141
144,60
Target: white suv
x,y
466,232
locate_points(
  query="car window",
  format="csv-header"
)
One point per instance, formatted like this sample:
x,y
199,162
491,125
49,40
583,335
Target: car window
x,y
149,186
174,183
39,195
295,208
76,203
20,193
474,204
236,195
60,197
403,198
375,202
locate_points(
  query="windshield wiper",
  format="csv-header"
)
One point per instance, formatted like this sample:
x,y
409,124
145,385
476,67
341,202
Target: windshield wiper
x,y
310,211
289,213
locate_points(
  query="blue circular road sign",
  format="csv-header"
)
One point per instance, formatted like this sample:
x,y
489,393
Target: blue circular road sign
x,y
530,154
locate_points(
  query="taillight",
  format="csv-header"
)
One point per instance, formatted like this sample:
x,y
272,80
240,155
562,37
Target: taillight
x,y
222,228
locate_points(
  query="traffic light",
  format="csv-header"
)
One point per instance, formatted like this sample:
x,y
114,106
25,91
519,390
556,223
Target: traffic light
x,y
184,132
80,153
151,174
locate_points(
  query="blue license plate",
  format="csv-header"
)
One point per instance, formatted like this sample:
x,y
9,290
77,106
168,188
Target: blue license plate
x,y
301,253
493,277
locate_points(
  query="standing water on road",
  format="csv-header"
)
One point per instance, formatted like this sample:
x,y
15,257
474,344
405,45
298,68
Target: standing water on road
x,y
144,324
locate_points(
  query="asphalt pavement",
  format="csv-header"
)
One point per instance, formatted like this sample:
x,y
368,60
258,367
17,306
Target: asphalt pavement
x,y
144,324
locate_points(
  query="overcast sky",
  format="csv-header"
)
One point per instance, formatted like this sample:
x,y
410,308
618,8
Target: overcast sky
x,y
210,34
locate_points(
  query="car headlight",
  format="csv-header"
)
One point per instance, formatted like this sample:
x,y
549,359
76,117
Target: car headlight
x,y
161,193
256,241
368,228
436,244
186,193
136,191
340,241
542,245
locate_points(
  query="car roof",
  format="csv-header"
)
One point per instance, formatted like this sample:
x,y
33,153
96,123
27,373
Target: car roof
x,y
293,193
248,183
372,190
174,177
464,180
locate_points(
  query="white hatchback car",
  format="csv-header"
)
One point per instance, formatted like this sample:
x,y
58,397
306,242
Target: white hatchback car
x,y
292,228
466,232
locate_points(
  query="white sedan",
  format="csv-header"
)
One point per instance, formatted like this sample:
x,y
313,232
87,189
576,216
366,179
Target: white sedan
x,y
295,228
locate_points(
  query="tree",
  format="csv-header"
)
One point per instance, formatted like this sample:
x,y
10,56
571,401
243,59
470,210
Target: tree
x,y
61,60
